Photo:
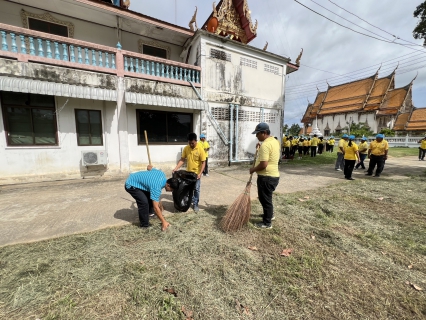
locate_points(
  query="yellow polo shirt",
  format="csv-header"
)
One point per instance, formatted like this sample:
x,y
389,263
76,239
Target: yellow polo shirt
x,y
314,142
331,142
306,143
363,145
287,144
269,151
342,144
194,158
350,152
205,145
423,145
294,142
378,148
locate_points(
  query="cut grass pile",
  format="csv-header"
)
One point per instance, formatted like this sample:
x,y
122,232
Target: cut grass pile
x,y
359,252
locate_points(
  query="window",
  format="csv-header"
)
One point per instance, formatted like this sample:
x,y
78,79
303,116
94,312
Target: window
x,y
163,127
89,127
154,51
29,119
327,132
48,27
221,55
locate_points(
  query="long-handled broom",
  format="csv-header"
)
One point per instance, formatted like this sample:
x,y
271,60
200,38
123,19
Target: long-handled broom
x,y
238,214
150,163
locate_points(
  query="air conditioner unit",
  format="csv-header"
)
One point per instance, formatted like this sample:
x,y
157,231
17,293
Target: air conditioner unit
x,y
93,158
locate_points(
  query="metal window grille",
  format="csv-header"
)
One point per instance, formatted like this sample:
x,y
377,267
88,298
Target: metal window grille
x,y
271,69
248,63
220,113
221,55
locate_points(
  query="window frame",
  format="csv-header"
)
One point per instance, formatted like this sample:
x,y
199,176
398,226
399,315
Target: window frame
x,y
6,122
90,137
49,24
141,136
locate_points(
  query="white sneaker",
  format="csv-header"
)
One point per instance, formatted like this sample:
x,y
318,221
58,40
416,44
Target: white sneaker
x,y
207,174
338,169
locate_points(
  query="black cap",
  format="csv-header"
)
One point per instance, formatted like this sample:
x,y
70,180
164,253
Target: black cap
x,y
263,126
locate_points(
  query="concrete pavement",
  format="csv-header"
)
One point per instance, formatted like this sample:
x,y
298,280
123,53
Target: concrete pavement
x,y
37,211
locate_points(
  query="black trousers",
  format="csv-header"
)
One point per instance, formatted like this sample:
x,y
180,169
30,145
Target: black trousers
x,y
293,150
265,187
287,152
327,147
320,148
313,151
305,150
144,204
422,153
376,160
300,149
206,168
349,168
361,163
330,148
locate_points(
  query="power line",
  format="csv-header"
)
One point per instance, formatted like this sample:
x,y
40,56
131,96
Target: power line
x,y
311,84
396,37
364,34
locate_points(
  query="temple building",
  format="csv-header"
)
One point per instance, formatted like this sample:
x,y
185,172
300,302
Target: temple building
x,y
373,101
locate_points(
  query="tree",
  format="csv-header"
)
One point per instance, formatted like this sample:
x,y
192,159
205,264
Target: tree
x,y
285,129
359,130
419,31
294,130
388,132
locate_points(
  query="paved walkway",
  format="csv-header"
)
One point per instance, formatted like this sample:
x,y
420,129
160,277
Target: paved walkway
x,y
36,211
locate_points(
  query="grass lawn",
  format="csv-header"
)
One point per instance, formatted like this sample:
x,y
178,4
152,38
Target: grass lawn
x,y
359,252
329,158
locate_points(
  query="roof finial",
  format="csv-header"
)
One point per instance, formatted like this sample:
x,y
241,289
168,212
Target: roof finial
x,y
377,72
266,46
193,21
327,83
396,67
414,78
318,89
299,57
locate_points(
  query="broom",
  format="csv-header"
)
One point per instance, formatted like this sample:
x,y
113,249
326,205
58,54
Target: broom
x,y
149,159
238,214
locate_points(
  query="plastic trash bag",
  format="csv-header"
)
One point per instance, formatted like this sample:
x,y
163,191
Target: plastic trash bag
x,y
182,196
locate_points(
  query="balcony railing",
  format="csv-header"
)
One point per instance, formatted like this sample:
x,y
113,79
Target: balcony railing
x,y
29,45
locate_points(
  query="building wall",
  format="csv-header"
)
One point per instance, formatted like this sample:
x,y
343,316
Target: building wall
x,y
62,161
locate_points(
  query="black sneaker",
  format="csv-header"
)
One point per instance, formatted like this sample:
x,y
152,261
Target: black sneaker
x,y
262,226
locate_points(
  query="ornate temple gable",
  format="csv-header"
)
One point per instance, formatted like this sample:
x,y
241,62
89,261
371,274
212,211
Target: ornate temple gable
x,y
401,121
307,116
232,18
358,88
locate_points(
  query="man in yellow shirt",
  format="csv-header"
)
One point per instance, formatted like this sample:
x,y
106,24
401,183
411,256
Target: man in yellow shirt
x,y
314,145
363,150
422,149
195,157
206,146
343,142
378,154
287,146
268,175
330,144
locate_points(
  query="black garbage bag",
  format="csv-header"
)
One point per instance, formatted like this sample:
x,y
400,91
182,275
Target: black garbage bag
x,y
182,196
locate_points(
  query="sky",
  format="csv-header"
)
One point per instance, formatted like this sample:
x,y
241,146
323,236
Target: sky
x,y
330,52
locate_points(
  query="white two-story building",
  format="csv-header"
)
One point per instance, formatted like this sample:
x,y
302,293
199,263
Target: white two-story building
x,y
81,80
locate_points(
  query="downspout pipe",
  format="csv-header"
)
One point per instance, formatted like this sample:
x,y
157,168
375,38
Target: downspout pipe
x,y
236,132
231,131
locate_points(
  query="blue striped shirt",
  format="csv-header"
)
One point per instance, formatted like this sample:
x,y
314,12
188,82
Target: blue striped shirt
x,y
152,181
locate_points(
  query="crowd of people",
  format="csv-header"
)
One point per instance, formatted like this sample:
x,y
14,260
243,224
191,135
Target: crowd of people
x,y
146,186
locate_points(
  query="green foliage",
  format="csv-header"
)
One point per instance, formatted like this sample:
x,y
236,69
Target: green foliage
x,y
388,132
294,130
419,31
285,128
359,130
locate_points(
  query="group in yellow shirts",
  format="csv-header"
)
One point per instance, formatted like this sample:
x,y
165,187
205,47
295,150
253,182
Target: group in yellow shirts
x,y
422,149
305,146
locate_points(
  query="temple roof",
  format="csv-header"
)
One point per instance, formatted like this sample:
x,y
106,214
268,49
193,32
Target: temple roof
x,y
401,121
417,120
368,94
233,20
